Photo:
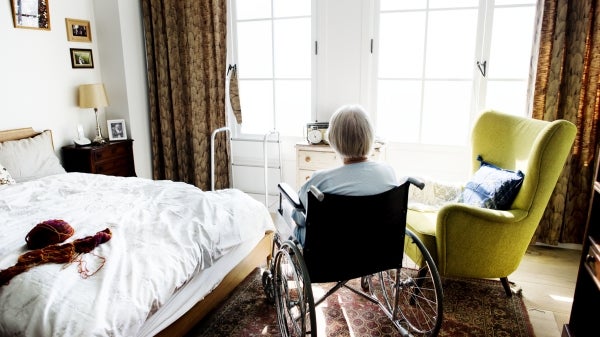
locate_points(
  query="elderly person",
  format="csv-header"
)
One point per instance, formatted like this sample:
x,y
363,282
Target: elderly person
x,y
351,136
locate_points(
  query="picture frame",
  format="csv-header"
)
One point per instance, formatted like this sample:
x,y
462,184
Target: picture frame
x,y
31,14
78,30
82,58
116,129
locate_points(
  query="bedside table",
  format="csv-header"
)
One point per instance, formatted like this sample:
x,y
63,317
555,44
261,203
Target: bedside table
x,y
113,158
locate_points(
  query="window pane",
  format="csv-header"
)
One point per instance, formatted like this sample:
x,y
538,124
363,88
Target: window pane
x,y
451,44
386,5
514,2
286,8
292,106
254,49
398,110
256,99
507,96
292,48
453,3
253,9
512,37
446,112
402,37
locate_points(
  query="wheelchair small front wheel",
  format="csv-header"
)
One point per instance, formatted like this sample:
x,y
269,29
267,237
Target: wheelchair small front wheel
x,y
267,283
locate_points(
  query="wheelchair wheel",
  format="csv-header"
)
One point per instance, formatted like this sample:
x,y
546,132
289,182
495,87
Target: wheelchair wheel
x,y
294,300
412,295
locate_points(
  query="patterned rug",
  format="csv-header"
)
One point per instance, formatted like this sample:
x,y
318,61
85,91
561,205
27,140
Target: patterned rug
x,y
471,308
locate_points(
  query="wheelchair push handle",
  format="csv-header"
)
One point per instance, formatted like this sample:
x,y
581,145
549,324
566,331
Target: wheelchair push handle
x,y
317,193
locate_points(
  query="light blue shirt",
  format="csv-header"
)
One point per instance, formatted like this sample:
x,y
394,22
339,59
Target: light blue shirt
x,y
364,178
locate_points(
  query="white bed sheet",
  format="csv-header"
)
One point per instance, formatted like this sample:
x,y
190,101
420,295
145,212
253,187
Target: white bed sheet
x,y
164,233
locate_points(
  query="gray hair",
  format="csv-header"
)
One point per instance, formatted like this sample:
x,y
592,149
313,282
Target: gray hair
x,y
350,132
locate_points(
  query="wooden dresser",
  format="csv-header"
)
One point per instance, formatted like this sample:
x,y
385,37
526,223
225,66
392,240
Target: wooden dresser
x,y
113,158
310,158
586,299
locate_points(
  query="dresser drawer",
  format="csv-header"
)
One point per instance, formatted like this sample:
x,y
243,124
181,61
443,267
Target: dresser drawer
x,y
592,261
303,176
118,150
317,160
111,166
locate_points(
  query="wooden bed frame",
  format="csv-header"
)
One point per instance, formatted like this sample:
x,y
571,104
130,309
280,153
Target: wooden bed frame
x,y
260,255
16,134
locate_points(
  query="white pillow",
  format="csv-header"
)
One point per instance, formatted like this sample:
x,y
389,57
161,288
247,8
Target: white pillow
x,y
30,158
5,177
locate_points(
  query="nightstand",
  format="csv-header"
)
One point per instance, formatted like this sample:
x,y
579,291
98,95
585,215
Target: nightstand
x,y
113,158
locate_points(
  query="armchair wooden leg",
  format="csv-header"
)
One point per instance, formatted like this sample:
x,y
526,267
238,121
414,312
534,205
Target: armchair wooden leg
x,y
506,286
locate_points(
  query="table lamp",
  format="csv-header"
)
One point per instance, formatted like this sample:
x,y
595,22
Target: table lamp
x,y
94,96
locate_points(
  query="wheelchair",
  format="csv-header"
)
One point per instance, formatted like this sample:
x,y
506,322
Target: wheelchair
x,y
348,237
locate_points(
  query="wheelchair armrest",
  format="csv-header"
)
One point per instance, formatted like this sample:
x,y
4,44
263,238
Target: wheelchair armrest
x,y
417,182
291,195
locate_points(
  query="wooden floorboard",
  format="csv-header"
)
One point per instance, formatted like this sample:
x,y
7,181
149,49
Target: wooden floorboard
x,y
547,278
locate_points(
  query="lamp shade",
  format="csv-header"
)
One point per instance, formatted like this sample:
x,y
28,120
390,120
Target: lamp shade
x,y
92,96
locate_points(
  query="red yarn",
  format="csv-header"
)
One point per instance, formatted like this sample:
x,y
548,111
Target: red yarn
x,y
48,233
54,254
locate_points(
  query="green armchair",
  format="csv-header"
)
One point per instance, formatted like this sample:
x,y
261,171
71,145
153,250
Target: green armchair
x,y
473,242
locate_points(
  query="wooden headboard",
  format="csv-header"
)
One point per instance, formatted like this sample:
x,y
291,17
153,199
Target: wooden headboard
x,y
15,134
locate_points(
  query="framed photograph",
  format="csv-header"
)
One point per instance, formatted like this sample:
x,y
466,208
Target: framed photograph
x,y
32,14
78,30
82,58
116,129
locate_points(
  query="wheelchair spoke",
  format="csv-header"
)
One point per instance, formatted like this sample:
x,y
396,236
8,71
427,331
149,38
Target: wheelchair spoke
x,y
411,296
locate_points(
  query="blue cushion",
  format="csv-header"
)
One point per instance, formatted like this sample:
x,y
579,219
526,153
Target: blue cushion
x,y
492,187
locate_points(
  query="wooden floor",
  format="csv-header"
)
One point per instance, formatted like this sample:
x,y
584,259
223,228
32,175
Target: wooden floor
x,y
547,278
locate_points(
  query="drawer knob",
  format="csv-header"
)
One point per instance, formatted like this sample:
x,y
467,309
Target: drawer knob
x,y
590,258
307,159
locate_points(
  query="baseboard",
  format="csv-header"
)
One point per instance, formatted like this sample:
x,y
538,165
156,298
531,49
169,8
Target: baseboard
x,y
573,246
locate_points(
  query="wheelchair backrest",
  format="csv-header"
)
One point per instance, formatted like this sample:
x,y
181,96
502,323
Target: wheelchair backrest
x,y
353,236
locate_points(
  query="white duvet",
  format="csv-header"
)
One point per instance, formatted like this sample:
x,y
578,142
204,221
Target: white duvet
x,y
163,233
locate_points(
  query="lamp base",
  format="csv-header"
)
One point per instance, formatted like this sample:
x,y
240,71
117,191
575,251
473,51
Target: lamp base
x,y
99,140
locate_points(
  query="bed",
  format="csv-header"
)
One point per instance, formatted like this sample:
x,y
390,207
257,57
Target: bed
x,y
175,252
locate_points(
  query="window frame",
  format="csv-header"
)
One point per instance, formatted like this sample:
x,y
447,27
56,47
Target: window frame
x,y
232,58
485,15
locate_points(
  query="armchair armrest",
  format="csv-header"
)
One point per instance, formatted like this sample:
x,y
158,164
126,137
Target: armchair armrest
x,y
492,235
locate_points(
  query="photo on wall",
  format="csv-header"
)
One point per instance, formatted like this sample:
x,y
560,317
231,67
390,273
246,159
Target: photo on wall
x,y
82,58
78,30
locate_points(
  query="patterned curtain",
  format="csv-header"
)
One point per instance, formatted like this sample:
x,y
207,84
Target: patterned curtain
x,y
186,61
565,84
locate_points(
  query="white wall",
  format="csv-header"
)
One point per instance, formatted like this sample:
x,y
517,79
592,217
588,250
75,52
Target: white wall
x,y
39,87
38,84
122,50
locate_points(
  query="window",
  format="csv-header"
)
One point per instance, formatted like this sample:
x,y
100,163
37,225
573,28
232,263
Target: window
x,y
439,62
272,47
